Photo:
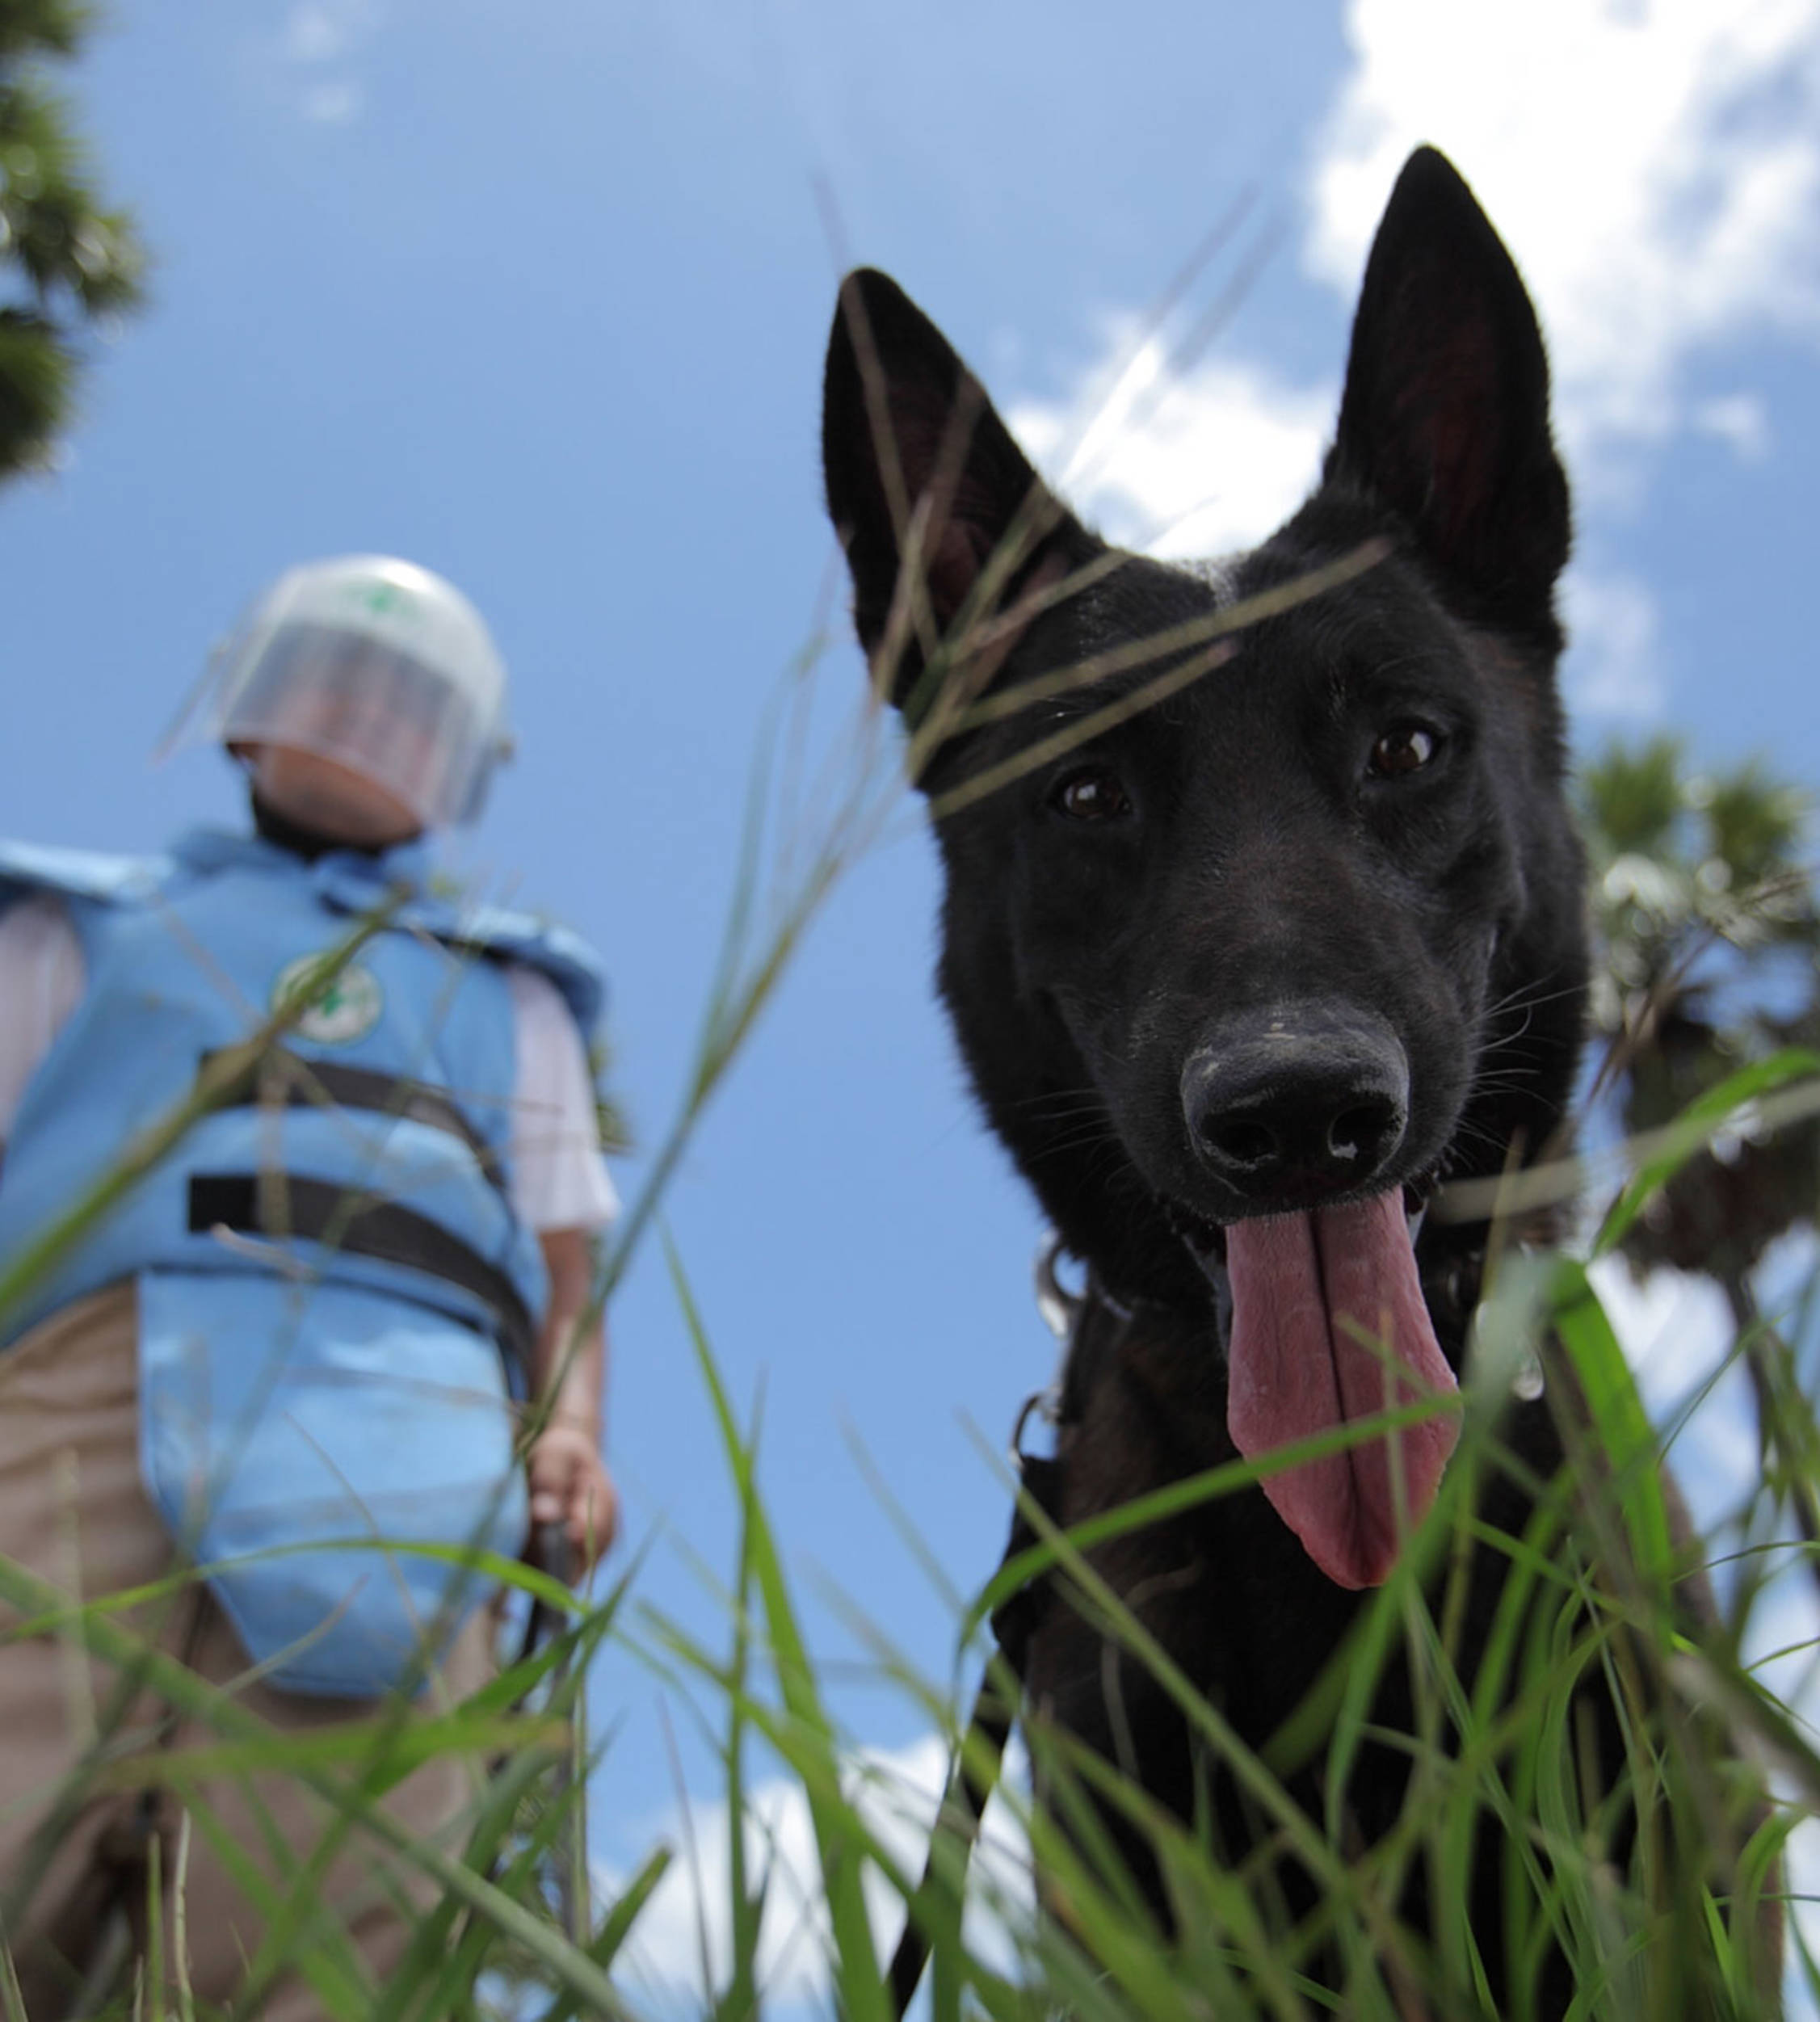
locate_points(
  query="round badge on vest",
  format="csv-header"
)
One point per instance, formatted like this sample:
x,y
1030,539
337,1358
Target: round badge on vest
x,y
347,1010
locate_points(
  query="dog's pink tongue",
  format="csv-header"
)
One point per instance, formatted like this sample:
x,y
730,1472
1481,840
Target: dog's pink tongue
x,y
1296,1369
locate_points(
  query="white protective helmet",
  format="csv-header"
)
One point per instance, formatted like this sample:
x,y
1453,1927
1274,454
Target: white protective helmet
x,y
377,664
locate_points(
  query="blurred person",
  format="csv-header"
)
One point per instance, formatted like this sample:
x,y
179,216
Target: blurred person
x,y
351,1309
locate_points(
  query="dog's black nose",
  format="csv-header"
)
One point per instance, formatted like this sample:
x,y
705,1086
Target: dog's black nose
x,y
1295,1101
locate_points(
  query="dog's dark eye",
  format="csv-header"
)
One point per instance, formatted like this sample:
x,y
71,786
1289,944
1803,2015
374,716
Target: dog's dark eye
x,y
1092,794
1405,747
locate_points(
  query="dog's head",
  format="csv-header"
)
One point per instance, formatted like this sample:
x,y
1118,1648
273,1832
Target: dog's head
x,y
1262,909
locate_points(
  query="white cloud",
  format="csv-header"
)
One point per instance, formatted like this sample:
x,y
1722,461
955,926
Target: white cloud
x,y
1195,465
1739,420
898,1793
319,40
1656,164
1676,1332
320,31
1612,668
336,103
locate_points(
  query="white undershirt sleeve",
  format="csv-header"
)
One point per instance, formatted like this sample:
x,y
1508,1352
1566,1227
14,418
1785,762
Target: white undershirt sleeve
x,y
559,1179
42,978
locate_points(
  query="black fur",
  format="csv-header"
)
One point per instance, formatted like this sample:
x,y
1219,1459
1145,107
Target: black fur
x,y
1352,832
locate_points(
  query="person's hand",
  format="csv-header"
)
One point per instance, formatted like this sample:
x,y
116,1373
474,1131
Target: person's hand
x,y
569,1485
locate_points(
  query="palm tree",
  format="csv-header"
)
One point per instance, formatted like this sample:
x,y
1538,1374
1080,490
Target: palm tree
x,y
1707,918
67,263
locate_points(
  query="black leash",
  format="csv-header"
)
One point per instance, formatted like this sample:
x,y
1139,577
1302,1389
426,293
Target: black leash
x,y
962,1808
545,1624
982,1752
1085,1346
567,1789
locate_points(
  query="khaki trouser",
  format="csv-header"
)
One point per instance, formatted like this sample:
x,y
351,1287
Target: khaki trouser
x,y
73,1511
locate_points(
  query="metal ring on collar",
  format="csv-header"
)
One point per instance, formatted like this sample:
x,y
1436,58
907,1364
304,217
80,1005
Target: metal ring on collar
x,y
1060,1307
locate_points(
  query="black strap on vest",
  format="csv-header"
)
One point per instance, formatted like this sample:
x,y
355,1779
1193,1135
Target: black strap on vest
x,y
299,1083
322,1212
1096,1323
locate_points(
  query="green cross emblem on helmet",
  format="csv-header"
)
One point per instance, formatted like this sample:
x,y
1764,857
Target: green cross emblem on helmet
x,y
381,597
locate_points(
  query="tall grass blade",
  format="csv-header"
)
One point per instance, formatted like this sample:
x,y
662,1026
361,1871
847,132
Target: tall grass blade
x,y
859,1983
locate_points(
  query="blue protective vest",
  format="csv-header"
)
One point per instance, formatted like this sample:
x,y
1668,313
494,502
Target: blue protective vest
x,y
336,1299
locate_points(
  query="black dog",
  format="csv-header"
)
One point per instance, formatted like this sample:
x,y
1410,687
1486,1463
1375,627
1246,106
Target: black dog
x,y
1253,938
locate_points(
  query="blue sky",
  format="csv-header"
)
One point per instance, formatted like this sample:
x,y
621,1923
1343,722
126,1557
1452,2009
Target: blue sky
x,y
537,296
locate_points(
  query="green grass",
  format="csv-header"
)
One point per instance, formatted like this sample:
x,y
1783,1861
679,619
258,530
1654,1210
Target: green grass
x,y
1667,1929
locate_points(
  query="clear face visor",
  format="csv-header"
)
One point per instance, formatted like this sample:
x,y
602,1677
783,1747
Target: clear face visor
x,y
367,706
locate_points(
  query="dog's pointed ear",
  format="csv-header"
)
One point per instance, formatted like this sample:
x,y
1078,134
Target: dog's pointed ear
x,y
1445,415
913,454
